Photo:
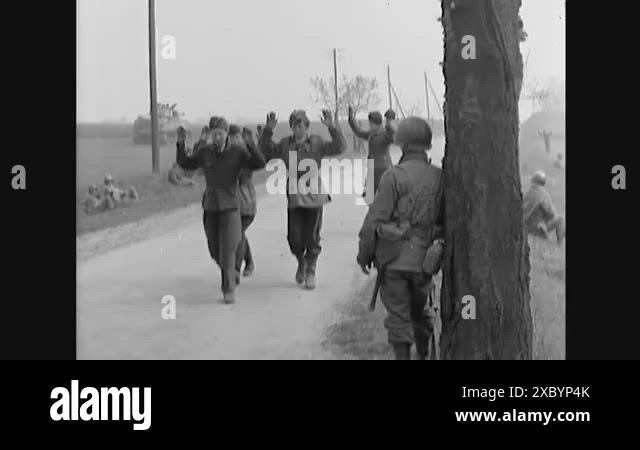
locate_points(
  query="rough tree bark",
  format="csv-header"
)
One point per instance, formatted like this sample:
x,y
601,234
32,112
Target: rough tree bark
x,y
486,253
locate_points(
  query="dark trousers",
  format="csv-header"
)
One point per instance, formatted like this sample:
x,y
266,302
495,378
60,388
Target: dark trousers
x,y
377,176
224,233
303,234
244,250
410,316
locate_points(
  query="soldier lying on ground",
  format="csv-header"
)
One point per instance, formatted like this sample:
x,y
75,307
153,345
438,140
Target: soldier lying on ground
x,y
540,216
120,197
94,202
180,177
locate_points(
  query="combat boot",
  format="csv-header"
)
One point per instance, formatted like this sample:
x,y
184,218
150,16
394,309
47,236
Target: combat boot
x,y
310,279
229,297
402,350
300,273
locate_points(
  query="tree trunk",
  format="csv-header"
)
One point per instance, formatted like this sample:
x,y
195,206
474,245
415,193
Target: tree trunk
x,y
487,254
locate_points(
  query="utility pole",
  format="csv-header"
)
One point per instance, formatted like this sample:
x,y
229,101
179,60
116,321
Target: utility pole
x,y
435,97
426,91
389,85
398,102
155,151
335,77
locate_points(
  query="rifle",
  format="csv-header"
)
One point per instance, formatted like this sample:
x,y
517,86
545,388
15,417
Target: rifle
x,y
376,289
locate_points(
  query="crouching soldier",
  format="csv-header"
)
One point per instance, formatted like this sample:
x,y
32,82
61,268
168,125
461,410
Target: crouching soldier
x,y
540,216
221,163
248,206
304,211
402,227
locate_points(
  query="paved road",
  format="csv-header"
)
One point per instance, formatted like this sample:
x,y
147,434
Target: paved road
x,y
119,293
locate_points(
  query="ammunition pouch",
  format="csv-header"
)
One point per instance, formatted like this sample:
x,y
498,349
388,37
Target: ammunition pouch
x,y
390,237
433,258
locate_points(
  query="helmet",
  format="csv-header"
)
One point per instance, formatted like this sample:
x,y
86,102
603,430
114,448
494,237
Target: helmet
x,y
108,178
539,178
414,131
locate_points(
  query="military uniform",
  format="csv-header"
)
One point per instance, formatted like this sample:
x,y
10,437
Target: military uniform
x,y
402,222
248,210
540,216
95,203
221,199
304,211
379,143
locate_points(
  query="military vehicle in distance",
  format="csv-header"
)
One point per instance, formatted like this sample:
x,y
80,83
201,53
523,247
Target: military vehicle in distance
x,y
169,119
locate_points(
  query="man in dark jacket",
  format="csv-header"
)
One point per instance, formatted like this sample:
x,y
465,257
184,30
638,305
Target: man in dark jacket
x,y
379,137
248,207
304,214
403,221
221,163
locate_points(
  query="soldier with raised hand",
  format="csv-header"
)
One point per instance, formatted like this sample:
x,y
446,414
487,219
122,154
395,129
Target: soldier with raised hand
x,y
221,162
379,137
401,233
304,210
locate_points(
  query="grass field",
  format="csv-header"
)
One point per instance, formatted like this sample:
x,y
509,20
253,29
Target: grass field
x,y
109,148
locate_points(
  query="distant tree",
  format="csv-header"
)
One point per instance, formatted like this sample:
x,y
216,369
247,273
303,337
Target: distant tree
x,y
417,109
361,92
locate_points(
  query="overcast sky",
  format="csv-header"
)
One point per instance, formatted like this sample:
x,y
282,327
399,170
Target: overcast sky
x,y
242,58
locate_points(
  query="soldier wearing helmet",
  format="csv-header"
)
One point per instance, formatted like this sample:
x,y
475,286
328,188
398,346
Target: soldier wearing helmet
x,y
403,222
540,217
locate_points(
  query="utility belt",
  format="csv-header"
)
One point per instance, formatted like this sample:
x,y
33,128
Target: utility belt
x,y
392,236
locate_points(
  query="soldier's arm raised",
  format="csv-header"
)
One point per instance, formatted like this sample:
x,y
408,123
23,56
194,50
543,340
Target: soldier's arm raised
x,y
187,162
355,128
266,145
253,159
337,144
